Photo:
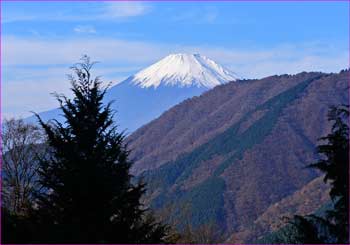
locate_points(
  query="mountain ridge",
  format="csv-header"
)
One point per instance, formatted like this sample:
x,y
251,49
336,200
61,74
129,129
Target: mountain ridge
x,y
239,148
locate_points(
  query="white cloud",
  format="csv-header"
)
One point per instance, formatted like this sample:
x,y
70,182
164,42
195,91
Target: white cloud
x,y
35,68
284,58
16,17
84,29
112,11
50,52
125,9
31,89
281,59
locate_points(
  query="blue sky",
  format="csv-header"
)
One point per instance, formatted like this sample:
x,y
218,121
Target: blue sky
x,y
40,40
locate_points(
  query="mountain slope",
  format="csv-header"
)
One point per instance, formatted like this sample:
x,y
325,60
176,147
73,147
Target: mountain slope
x,y
239,148
304,201
147,94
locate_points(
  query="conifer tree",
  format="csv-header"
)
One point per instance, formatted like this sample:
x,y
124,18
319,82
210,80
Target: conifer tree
x,y
334,163
88,195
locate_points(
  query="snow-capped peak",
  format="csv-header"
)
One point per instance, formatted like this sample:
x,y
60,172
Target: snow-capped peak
x,y
183,70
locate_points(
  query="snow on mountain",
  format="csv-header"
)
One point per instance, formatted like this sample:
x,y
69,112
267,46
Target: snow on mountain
x,y
150,92
183,70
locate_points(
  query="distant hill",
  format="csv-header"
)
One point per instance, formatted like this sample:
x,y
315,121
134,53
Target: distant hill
x,y
238,150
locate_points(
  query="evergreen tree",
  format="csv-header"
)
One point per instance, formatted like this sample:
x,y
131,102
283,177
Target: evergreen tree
x,y
87,194
335,165
303,230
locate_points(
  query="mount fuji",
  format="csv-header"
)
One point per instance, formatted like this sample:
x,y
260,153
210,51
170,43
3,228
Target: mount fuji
x,y
146,95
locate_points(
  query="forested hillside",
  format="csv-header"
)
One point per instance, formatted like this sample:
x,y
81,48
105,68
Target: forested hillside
x,y
239,149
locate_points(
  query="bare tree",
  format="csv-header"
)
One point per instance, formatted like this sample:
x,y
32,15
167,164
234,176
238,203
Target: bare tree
x,y
21,143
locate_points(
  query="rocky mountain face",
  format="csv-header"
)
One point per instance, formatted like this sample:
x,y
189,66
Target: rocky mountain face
x,y
235,153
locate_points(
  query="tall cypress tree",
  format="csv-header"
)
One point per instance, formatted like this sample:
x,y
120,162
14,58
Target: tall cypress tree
x,y
335,165
88,195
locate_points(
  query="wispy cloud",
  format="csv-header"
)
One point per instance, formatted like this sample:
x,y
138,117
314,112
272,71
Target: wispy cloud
x,y
113,11
280,59
27,89
84,29
116,10
28,51
302,56
35,68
